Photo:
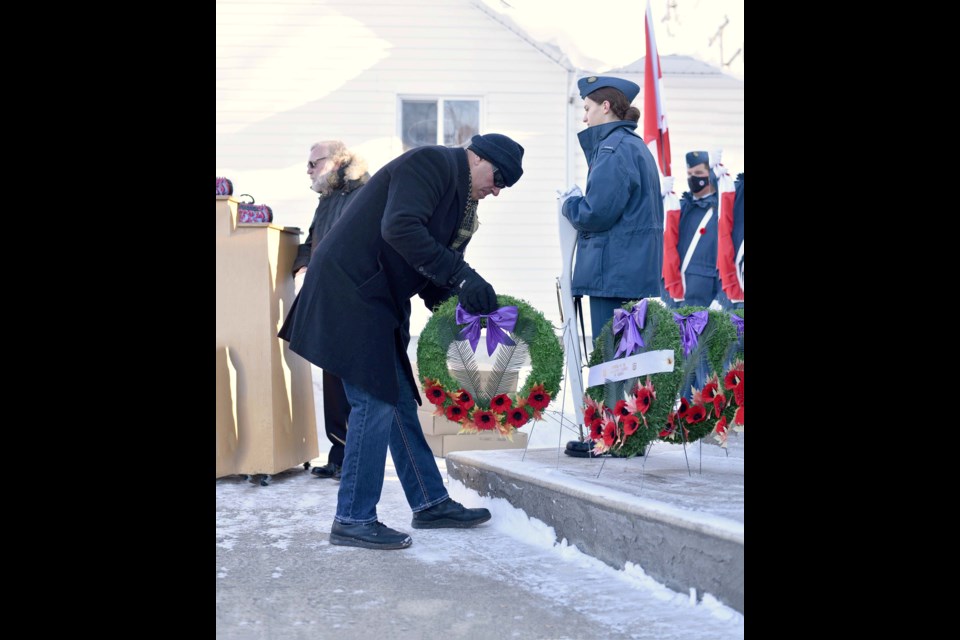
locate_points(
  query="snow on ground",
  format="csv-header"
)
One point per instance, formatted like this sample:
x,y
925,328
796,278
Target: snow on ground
x,y
515,553
267,537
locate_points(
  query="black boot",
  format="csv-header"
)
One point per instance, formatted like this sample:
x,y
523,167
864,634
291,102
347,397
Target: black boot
x,y
579,449
329,470
375,535
449,513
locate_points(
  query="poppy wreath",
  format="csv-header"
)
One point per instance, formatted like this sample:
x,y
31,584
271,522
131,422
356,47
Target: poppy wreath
x,y
708,346
736,350
715,409
624,416
451,378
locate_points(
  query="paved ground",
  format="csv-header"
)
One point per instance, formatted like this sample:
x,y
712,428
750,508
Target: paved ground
x,y
278,576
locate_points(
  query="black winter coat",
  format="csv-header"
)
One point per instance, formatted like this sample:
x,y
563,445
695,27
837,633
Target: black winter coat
x,y
329,210
352,315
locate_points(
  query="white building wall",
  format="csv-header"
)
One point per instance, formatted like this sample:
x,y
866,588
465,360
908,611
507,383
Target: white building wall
x,y
291,73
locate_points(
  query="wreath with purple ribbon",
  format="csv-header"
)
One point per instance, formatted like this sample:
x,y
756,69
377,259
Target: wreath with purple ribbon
x,y
625,416
517,336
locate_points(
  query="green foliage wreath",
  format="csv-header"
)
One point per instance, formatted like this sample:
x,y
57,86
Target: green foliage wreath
x,y
659,332
447,369
714,345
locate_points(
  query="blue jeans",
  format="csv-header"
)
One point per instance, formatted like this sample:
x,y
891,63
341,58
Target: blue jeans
x,y
373,425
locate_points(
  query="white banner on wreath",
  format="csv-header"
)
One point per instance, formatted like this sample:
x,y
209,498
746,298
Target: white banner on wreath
x,y
661,361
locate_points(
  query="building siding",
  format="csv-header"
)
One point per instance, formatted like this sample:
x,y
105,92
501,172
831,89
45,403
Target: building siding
x,y
291,73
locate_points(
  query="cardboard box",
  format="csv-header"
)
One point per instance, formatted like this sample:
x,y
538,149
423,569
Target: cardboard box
x,y
436,425
444,445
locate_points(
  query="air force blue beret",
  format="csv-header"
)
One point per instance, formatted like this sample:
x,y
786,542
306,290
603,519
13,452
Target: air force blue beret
x,y
701,157
591,83
697,157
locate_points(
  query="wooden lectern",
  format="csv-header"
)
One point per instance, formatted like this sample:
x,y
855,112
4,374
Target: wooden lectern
x,y
265,414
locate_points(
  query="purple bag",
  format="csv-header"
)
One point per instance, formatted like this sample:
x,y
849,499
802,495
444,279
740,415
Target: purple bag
x,y
250,213
224,187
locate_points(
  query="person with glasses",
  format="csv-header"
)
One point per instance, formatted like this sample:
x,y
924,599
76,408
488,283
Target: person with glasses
x,y
336,173
404,234
620,217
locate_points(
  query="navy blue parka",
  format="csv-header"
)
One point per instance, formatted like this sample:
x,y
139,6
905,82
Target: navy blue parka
x,y
619,217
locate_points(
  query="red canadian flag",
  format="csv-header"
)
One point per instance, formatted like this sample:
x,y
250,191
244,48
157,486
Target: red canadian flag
x,y
654,120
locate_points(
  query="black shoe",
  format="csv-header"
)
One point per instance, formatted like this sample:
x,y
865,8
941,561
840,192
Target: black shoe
x,y
375,535
336,474
328,470
449,513
579,449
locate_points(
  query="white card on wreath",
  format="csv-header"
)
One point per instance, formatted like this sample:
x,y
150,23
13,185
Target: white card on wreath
x,y
661,361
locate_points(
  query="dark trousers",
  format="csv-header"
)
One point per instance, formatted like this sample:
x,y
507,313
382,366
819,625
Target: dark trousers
x,y
336,410
601,312
725,302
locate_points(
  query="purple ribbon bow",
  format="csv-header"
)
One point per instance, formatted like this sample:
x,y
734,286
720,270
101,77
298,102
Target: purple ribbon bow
x,y
630,322
691,326
738,323
501,320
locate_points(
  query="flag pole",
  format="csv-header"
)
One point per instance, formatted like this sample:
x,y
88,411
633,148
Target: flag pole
x,y
654,119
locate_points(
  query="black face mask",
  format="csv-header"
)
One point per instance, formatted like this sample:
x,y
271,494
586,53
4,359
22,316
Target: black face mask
x,y
698,183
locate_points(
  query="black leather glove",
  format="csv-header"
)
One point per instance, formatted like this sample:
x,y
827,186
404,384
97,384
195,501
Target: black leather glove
x,y
476,294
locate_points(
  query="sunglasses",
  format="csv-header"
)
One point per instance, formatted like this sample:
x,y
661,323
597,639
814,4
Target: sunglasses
x,y
312,164
498,179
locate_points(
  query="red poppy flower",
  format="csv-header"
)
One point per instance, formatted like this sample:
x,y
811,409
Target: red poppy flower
x,y
648,386
733,378
703,230
518,416
609,433
434,391
719,402
738,393
462,398
538,398
596,429
696,414
721,425
644,398
684,408
456,413
485,420
500,403
738,416
709,391
589,415
620,409
630,425
671,425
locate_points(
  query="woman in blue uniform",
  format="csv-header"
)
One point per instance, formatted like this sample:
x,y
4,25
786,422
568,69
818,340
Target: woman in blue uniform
x,y
620,217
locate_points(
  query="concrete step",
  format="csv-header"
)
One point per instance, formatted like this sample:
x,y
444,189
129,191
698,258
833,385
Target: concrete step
x,y
678,514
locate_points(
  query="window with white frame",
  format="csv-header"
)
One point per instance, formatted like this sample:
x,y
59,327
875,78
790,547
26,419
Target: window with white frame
x,y
438,121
